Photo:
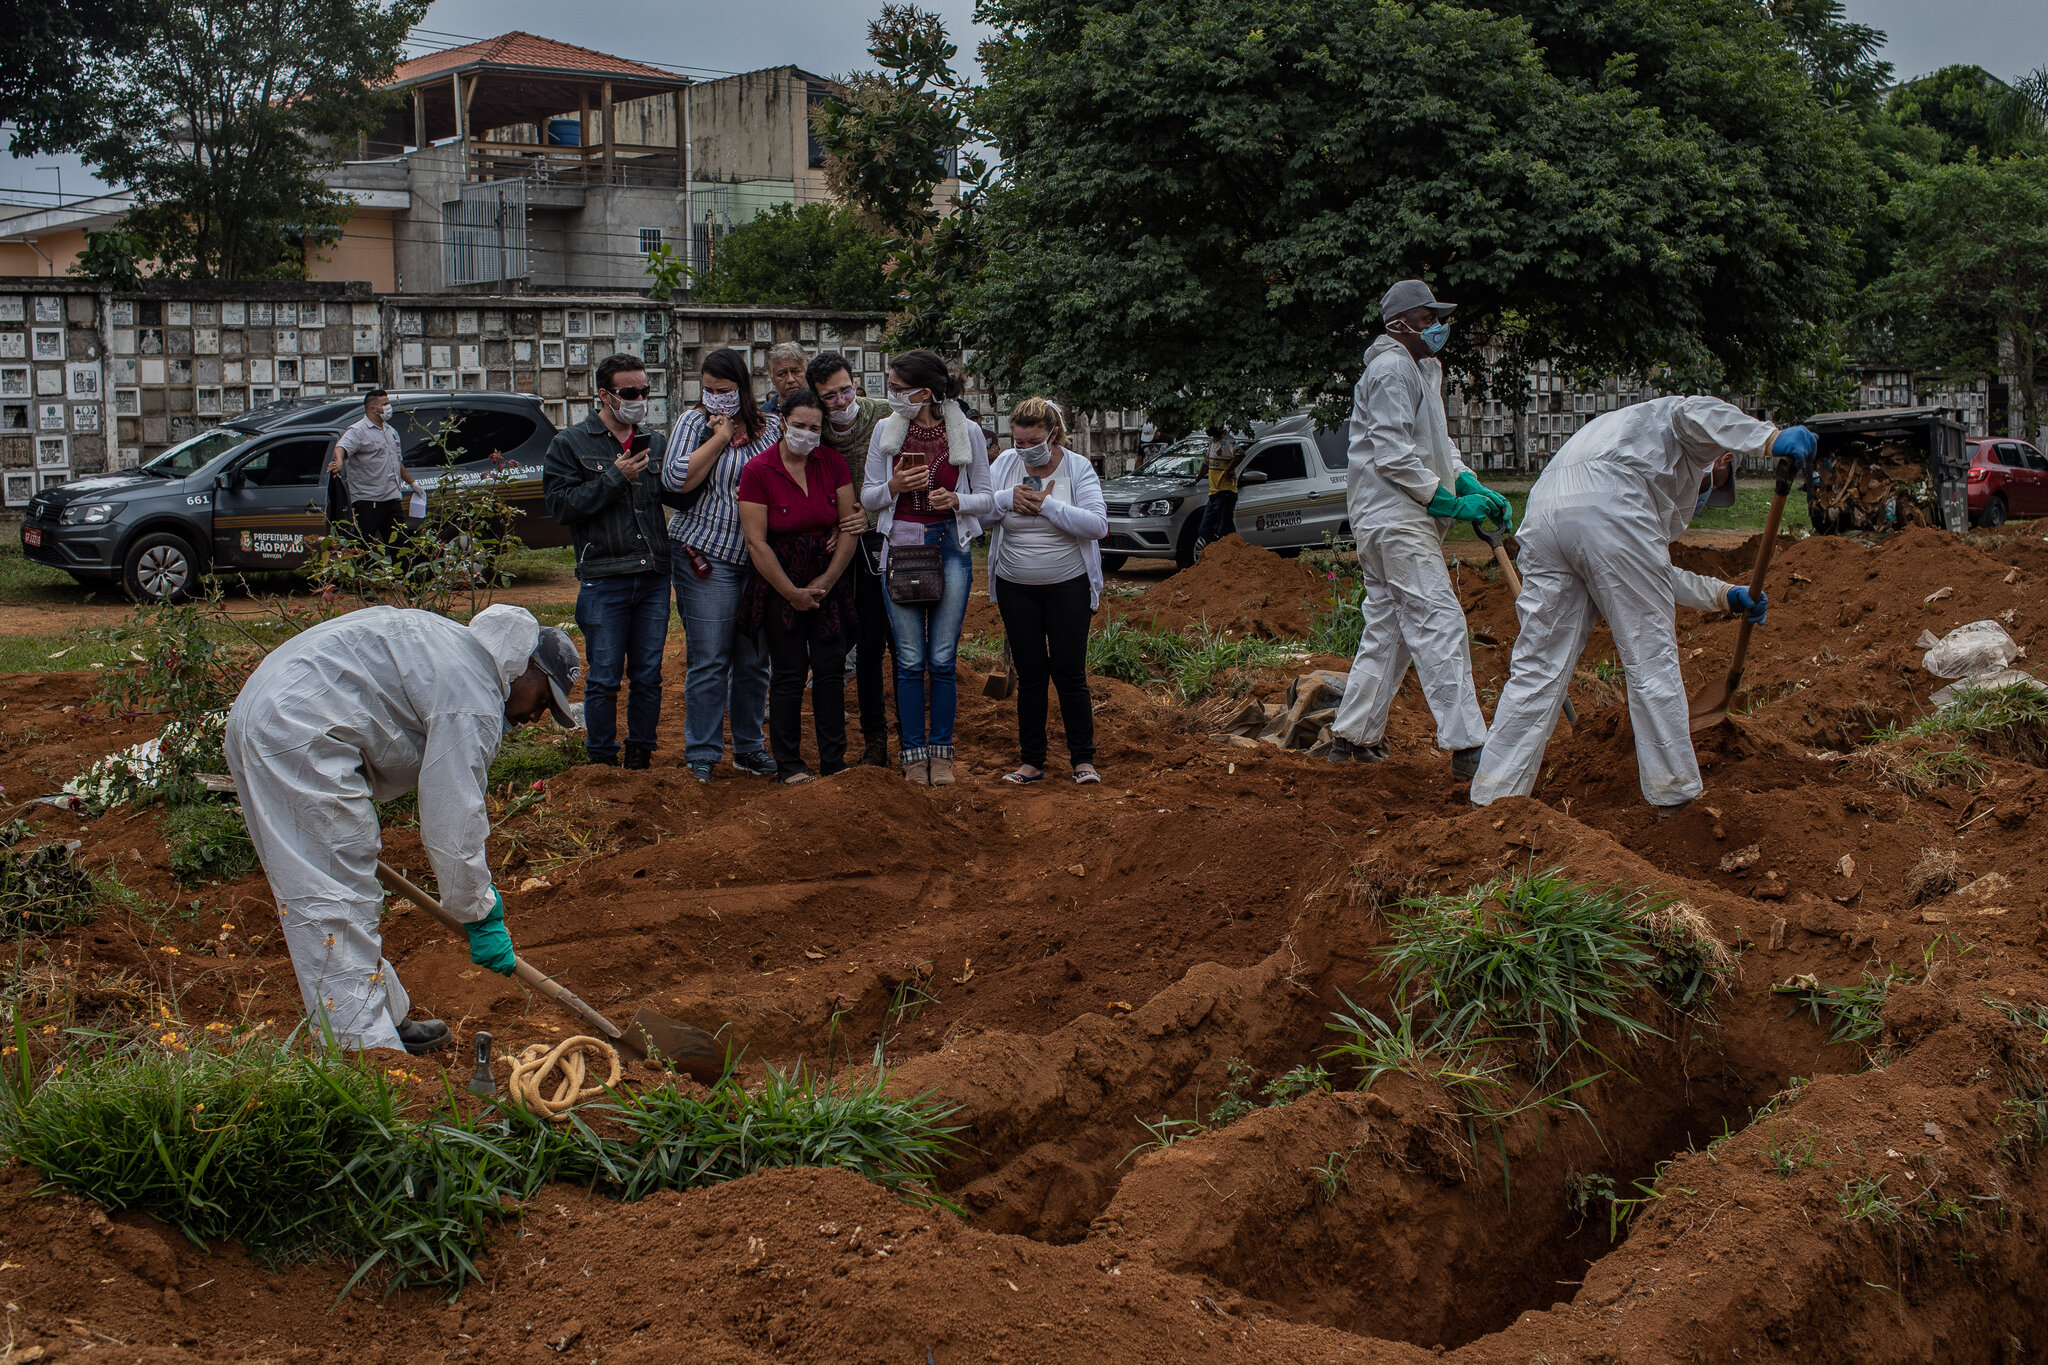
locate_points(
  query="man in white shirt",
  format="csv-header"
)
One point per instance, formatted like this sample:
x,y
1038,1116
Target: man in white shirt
x,y
372,465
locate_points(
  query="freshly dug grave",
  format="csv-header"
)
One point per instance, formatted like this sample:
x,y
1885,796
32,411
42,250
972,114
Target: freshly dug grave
x,y
1237,588
1067,962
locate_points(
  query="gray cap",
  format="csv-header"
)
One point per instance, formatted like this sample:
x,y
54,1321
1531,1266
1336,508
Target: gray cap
x,y
1410,294
555,654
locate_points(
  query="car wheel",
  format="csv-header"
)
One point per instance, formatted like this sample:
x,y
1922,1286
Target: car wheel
x,y
160,567
1185,552
1994,512
1111,563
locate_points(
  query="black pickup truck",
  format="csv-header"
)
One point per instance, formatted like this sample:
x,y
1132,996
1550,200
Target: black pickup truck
x,y
253,493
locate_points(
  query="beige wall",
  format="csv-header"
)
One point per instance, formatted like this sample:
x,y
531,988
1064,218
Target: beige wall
x,y
365,252
62,248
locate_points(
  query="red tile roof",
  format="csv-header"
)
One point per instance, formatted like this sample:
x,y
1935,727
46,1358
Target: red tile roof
x,y
525,49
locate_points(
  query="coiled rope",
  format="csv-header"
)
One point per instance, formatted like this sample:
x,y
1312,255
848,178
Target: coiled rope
x,y
549,1080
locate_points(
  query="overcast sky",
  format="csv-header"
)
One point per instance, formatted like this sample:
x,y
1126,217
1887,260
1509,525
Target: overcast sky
x,y
2008,37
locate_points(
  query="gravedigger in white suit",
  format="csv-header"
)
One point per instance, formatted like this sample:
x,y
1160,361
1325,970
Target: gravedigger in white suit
x,y
1406,485
358,710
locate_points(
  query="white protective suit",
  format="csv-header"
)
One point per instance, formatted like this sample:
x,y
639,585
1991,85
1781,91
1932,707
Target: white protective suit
x,y
1401,451
360,709
1596,539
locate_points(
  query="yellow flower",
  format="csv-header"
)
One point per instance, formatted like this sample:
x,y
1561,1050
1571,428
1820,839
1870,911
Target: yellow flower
x,y
225,927
216,1027
49,1028
171,949
198,1108
168,1039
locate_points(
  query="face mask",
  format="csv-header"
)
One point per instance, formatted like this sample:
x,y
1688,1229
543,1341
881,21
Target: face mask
x,y
1435,335
903,405
797,441
632,412
1036,455
722,404
842,418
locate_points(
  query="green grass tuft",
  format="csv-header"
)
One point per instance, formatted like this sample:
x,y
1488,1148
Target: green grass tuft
x,y
43,890
208,842
1853,1013
1192,664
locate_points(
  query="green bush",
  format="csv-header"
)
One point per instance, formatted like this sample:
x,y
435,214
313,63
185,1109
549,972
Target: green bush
x,y
42,890
208,841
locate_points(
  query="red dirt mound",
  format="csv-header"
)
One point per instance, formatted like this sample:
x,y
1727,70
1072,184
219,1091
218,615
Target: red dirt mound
x,y
1238,588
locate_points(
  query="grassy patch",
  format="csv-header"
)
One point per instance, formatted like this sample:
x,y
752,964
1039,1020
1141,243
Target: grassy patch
x,y
1853,1013
2011,722
42,889
298,1151
1916,766
208,842
1192,664
534,753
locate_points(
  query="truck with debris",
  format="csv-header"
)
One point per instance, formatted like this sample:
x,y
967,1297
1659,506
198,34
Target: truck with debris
x,y
1888,469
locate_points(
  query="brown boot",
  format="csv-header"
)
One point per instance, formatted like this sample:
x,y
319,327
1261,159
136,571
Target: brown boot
x,y
942,770
917,771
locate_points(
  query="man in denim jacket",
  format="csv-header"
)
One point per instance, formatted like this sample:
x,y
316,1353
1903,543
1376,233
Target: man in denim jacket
x,y
600,482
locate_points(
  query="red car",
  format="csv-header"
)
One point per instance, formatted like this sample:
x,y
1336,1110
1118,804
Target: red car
x,y
2008,478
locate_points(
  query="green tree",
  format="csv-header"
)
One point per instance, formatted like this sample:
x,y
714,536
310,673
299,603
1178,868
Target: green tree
x,y
817,256
61,57
886,133
114,257
1970,290
222,126
1201,208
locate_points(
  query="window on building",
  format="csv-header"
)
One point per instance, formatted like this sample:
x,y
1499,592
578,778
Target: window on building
x,y
814,95
650,240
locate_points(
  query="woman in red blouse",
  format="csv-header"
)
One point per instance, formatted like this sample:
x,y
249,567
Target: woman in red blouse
x,y
792,497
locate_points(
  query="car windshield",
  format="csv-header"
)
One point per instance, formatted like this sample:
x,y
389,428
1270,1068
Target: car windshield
x,y
1183,461
189,457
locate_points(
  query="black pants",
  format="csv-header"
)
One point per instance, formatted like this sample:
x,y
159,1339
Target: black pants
x,y
1047,625
871,608
375,520
794,652
1219,517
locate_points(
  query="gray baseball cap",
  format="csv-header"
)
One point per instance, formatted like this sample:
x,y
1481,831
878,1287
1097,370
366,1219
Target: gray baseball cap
x,y
1410,294
555,653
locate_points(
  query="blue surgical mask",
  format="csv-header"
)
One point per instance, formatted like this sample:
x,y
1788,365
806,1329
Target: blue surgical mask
x,y
1435,335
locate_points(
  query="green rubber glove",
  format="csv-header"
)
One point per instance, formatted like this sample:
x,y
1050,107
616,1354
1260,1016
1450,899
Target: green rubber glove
x,y
490,943
1471,507
1501,509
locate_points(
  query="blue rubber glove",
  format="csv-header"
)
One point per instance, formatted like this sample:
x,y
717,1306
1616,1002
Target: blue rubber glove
x,y
1798,442
1750,608
1470,507
490,943
1499,508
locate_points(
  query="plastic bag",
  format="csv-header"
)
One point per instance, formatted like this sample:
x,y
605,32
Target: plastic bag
x,y
1980,647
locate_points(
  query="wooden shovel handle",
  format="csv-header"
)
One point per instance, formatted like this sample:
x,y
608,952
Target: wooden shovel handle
x,y
1763,565
522,969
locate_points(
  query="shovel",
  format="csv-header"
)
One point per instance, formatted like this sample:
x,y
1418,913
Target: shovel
x,y
1498,540
1003,682
682,1046
1710,703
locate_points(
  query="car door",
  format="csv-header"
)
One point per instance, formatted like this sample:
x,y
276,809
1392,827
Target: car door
x,y
271,504
2037,481
2014,481
1273,510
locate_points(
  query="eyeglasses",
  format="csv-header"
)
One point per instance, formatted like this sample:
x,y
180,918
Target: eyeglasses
x,y
634,393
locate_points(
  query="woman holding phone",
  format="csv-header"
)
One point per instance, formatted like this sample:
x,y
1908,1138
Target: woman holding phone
x,y
1045,577
793,498
928,477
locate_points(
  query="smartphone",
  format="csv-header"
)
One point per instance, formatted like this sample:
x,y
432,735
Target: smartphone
x,y
1033,482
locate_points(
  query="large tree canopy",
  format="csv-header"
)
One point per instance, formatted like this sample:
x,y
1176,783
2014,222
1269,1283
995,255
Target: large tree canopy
x,y
221,126
1202,205
61,54
817,256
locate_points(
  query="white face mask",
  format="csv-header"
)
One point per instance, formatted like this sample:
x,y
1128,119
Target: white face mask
x,y
842,418
903,405
1036,455
631,411
722,404
797,441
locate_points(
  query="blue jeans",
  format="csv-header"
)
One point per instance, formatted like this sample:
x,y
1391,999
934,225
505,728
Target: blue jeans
x,y
926,639
624,620
728,671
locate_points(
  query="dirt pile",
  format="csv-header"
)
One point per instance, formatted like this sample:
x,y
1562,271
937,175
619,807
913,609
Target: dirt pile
x,y
1085,970
1238,588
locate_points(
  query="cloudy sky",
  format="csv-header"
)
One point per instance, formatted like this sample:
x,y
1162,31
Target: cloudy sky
x,y
2009,37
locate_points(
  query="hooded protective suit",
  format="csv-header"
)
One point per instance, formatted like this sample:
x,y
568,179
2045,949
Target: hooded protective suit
x,y
356,710
1400,453
1596,539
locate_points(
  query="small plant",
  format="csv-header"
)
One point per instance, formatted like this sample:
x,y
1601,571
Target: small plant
x,y
42,889
1855,1013
1233,1104
1917,766
1291,1085
2023,1120
1610,672
1586,1190
1786,1157
2010,722
1648,1191
1863,1200
1164,1134
1332,1177
534,753
208,842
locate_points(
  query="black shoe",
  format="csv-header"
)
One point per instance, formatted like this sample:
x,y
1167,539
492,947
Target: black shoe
x,y
1667,812
638,758
1465,762
875,753
755,764
1343,750
608,761
422,1036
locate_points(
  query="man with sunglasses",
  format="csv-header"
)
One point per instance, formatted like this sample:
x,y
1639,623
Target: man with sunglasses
x,y
600,482
850,418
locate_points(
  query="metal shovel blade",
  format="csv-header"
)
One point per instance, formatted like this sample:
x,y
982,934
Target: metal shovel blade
x,y
684,1047
1709,705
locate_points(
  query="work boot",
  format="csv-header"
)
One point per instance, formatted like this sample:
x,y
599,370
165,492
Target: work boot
x,y
422,1036
1465,762
942,770
638,757
1343,750
1666,812
918,771
875,752
601,760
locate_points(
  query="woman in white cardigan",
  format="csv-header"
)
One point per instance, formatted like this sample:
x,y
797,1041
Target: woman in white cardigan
x,y
1045,576
928,476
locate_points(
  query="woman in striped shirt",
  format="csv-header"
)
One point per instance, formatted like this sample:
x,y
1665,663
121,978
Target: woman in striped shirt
x,y
727,670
